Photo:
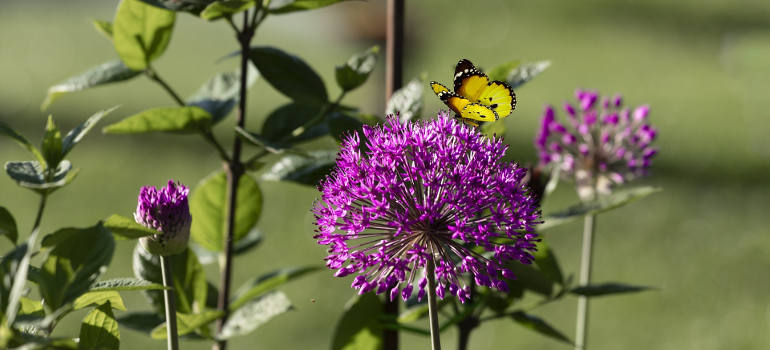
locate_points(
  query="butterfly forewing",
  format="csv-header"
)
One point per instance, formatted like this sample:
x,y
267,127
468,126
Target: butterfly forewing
x,y
500,97
477,111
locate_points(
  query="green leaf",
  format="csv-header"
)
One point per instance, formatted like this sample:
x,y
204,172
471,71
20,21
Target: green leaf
x,y
79,132
225,8
279,125
305,170
597,290
525,72
31,307
106,73
99,298
539,325
356,70
341,124
602,204
420,311
192,6
545,259
260,285
125,284
208,205
14,270
188,323
6,130
8,226
52,143
104,28
221,94
77,258
189,279
142,321
501,72
287,6
248,242
99,329
255,313
493,129
406,101
127,228
31,175
530,278
290,75
141,32
261,141
183,120
359,328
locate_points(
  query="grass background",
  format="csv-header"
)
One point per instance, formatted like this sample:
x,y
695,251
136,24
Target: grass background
x,y
703,66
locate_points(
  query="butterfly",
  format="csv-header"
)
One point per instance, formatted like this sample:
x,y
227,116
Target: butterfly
x,y
475,98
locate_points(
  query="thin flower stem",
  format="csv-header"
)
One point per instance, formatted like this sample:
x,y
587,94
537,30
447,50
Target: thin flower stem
x,y
234,170
172,338
581,328
153,75
40,208
435,336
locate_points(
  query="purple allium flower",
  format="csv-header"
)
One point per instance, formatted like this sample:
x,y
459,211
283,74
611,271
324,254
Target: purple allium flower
x,y
434,190
602,143
165,210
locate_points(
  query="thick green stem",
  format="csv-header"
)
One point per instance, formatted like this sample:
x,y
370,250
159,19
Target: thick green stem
x,y
153,75
172,338
581,327
435,335
40,208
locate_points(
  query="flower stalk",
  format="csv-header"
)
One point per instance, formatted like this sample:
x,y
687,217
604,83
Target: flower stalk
x,y
581,325
435,335
172,337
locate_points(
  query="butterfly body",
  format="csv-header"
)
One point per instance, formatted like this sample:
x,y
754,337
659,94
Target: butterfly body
x,y
475,98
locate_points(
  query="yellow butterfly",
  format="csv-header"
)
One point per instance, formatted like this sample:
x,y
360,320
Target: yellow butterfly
x,y
475,98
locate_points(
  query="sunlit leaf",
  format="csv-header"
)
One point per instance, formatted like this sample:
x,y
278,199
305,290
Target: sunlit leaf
x,y
31,175
6,130
305,170
99,298
106,73
525,72
188,323
359,328
100,330
225,8
356,70
255,313
190,119
407,101
288,6
127,228
125,284
141,32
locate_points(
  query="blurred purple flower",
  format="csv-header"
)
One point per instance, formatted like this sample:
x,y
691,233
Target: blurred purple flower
x,y
602,143
165,210
434,190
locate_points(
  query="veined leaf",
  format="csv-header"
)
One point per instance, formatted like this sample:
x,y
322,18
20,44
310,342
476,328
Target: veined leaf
x,y
357,69
125,284
225,8
190,119
79,132
106,73
280,123
99,329
359,328
99,298
525,72
127,228
141,32
30,174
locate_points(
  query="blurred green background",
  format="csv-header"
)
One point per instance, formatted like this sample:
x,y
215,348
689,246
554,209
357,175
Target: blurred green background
x,y
703,66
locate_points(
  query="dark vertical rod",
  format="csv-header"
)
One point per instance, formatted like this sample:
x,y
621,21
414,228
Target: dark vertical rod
x,y
394,70
234,170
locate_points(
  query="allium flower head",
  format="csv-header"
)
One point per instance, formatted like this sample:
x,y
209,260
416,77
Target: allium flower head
x,y
165,210
602,143
435,190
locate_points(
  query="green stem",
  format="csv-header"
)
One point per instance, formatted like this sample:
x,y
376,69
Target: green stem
x,y
581,327
318,118
40,208
172,340
435,336
153,75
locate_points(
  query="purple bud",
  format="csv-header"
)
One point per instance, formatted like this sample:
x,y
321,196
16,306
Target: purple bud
x,y
641,112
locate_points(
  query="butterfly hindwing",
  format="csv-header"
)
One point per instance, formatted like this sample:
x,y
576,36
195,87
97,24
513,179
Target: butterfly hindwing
x,y
438,88
480,112
500,97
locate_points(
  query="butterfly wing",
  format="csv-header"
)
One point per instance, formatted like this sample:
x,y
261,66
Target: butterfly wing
x,y
453,101
438,88
480,112
499,96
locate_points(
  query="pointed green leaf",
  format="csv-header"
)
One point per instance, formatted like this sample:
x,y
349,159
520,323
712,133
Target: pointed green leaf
x,y
261,141
208,205
225,8
525,72
187,323
597,290
220,94
305,170
279,125
539,325
356,70
192,6
30,174
501,72
106,73
420,311
545,259
287,6
104,28
99,298
265,283
183,120
6,130
605,203
8,226
125,284
189,279
290,75
255,313
141,32
52,143
142,321
359,328
406,101
79,132
77,258
127,228
100,330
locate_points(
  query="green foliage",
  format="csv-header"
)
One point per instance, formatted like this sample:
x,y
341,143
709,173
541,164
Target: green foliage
x,y
280,123
305,170
76,258
188,323
221,93
596,290
106,73
539,325
6,130
255,313
125,284
8,226
615,200
407,101
208,205
104,28
181,120
32,175
52,143
99,329
189,279
225,8
290,75
141,32
288,6
258,286
98,298
517,74
127,228
356,70
359,328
